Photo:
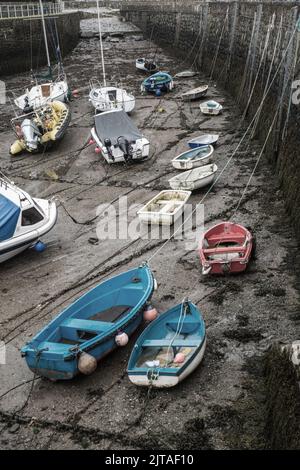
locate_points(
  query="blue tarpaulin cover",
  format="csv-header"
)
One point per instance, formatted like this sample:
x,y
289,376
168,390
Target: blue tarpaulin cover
x,y
9,214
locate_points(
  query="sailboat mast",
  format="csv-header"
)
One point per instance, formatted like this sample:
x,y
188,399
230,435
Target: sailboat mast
x,y
101,45
45,34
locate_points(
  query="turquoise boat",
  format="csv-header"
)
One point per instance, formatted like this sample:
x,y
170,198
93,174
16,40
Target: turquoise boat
x,y
169,349
157,83
92,326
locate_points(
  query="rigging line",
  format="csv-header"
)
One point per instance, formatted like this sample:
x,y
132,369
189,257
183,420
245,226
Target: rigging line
x,y
278,37
234,152
244,79
270,28
219,44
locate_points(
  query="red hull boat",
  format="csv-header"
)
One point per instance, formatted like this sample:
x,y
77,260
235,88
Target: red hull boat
x,y
225,248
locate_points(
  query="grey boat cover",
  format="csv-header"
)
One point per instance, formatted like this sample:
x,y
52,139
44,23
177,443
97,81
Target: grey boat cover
x,y
115,124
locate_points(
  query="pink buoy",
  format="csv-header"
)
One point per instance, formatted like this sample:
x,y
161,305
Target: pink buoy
x,y
75,93
91,141
150,313
97,150
179,358
121,339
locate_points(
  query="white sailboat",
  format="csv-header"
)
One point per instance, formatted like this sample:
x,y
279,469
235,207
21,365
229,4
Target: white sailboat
x,y
107,98
51,90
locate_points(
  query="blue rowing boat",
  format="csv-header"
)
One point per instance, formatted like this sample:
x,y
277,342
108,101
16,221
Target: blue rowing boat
x,y
157,83
91,327
170,348
202,140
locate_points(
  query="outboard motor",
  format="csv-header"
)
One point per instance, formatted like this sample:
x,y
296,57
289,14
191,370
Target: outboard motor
x,y
27,108
126,147
31,134
107,143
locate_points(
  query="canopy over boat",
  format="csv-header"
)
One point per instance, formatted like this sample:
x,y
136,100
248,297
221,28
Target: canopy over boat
x,y
113,124
170,348
9,215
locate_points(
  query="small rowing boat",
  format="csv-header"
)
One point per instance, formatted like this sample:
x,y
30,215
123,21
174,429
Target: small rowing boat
x,y
146,65
186,74
225,248
194,179
206,139
193,158
195,93
169,349
165,208
157,83
91,327
211,107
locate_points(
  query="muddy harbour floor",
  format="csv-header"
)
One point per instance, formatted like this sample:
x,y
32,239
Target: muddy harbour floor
x,y
221,405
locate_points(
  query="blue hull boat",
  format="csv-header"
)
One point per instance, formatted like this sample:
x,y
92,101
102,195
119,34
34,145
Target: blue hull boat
x,y
91,325
159,82
169,349
202,140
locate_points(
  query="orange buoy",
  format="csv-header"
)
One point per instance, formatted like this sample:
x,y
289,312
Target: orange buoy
x,y
150,313
121,339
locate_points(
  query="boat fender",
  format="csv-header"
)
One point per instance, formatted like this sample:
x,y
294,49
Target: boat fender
x,y
87,364
98,150
158,92
206,270
91,141
179,358
150,313
39,247
121,339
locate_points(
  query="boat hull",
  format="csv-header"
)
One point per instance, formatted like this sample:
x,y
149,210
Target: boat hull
x,y
55,351
99,98
163,218
183,162
60,92
185,184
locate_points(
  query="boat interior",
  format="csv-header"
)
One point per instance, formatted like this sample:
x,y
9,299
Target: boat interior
x,y
166,203
161,351
85,322
194,154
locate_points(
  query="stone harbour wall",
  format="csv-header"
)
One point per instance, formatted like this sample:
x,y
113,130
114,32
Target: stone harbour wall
x,y
253,45
22,44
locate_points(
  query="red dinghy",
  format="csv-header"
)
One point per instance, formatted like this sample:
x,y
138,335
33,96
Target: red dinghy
x,y
225,248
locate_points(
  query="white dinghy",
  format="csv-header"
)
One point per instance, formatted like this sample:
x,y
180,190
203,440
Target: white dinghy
x,y
186,74
118,139
146,65
23,220
195,93
211,107
105,98
193,158
205,139
165,208
194,179
51,90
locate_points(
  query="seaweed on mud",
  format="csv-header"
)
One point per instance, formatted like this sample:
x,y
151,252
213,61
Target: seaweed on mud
x,y
243,335
282,421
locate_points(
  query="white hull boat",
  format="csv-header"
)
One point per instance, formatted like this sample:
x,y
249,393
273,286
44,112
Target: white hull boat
x,y
211,107
197,178
118,139
193,158
205,139
43,94
111,98
146,65
165,208
195,93
23,220
186,74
